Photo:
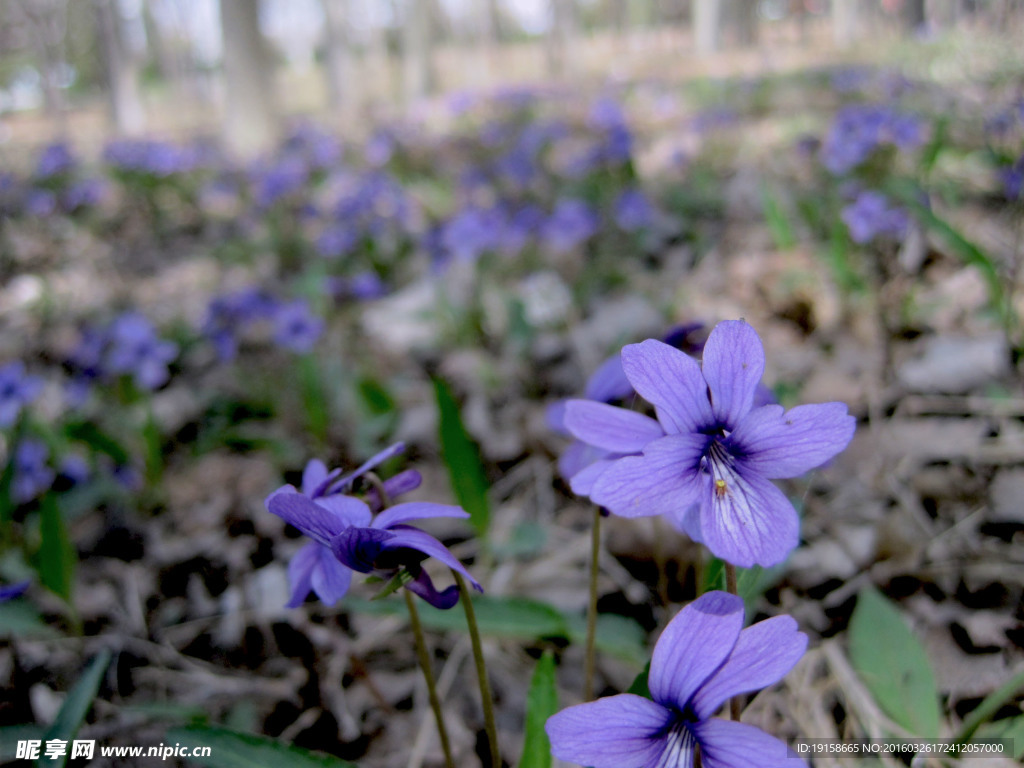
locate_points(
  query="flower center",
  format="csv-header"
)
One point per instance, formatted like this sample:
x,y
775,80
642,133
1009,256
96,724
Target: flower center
x,y
718,462
680,747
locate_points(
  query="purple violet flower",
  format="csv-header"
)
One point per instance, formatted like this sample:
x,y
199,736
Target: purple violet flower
x,y
703,658
633,210
347,536
870,215
708,459
135,349
17,389
12,591
571,223
296,327
32,475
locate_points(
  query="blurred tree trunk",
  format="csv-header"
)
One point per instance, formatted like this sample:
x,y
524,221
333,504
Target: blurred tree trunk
x,y
561,31
250,124
341,81
46,21
418,71
844,22
165,61
487,39
123,89
707,25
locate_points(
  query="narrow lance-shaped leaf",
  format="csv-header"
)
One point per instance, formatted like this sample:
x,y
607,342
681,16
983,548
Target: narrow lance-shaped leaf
x,y
56,554
76,707
893,664
541,703
462,458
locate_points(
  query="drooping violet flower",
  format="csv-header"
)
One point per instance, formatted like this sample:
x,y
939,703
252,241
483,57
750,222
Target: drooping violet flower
x,y
135,349
296,327
347,536
708,459
12,591
17,389
32,475
702,659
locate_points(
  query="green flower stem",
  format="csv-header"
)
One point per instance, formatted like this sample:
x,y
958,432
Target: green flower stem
x,y
481,671
428,676
589,657
735,705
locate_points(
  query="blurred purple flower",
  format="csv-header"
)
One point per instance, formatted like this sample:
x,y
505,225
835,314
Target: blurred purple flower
x,y
707,461
135,349
366,286
471,233
703,658
1013,180
571,223
17,389
55,160
86,193
154,158
633,210
32,476
870,215
348,536
40,203
296,327
230,314
336,241
11,591
859,129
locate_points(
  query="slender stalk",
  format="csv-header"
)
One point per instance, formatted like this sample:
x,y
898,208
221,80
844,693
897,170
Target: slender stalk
x,y
481,671
730,579
428,676
735,705
589,657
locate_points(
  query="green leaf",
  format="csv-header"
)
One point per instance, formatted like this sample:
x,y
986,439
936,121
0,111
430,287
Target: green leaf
x,y
639,686
528,538
76,706
513,617
751,583
541,703
462,458
375,397
154,446
56,554
18,618
893,665
314,398
778,223
231,749
95,438
524,619
10,735
616,635
1008,728
990,705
